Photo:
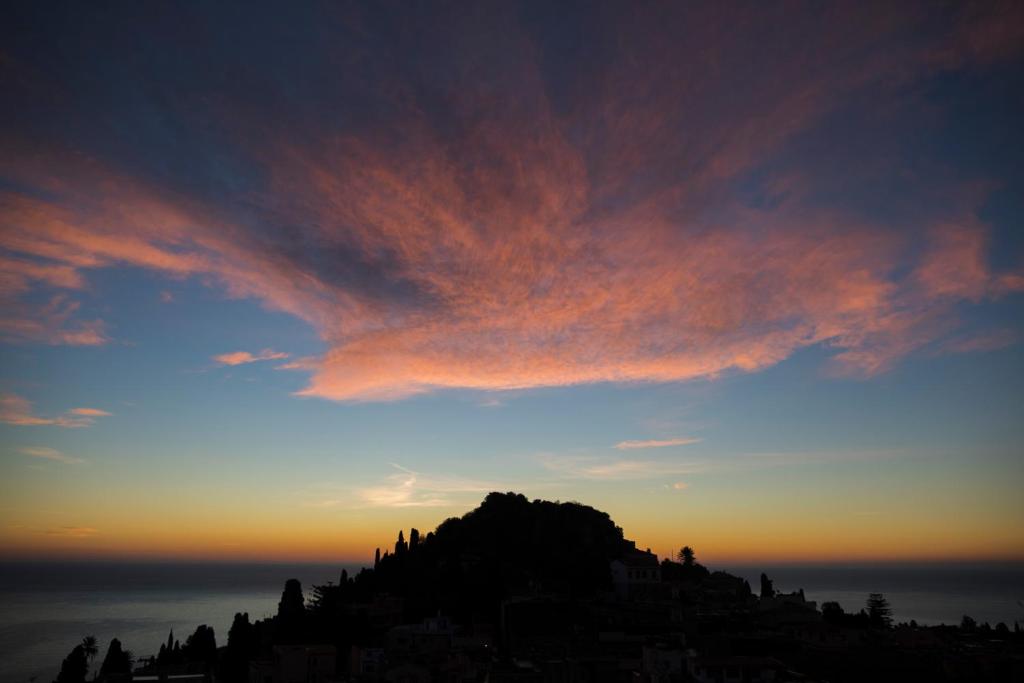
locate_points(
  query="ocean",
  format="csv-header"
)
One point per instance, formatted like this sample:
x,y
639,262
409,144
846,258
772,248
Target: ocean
x,y
930,594
45,609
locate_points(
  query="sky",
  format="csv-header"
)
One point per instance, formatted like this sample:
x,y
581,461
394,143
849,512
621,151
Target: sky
x,y
276,282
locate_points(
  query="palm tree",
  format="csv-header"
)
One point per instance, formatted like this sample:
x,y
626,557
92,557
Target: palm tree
x,y
89,646
686,556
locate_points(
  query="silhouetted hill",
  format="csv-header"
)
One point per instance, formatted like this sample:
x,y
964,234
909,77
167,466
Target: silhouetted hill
x,y
508,545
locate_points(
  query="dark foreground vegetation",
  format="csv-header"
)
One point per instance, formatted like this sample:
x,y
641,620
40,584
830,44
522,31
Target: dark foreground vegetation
x,y
539,591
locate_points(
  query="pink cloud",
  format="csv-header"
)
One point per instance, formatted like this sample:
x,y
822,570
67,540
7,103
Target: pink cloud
x,y
50,454
981,342
243,357
52,323
16,410
90,412
544,245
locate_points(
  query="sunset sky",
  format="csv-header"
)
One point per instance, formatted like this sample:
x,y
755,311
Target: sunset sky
x,y
276,282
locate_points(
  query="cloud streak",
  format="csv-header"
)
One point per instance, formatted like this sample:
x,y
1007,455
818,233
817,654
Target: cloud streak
x,y
244,357
406,488
16,410
591,467
596,468
655,443
49,454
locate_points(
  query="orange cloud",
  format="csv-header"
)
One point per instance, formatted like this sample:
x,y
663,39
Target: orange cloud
x,y
50,323
90,412
16,410
243,357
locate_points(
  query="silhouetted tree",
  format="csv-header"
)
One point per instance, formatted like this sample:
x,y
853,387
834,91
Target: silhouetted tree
x,y
400,546
292,603
832,612
291,611
117,660
686,556
376,559
414,538
90,647
201,646
242,646
879,611
74,667
166,654
240,633
968,624
767,590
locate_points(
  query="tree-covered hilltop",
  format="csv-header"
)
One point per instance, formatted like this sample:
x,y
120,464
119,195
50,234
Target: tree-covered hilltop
x,y
507,545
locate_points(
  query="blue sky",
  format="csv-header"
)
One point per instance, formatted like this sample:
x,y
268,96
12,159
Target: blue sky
x,y
279,282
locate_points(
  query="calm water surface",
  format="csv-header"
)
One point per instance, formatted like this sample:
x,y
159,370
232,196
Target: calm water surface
x,y
45,609
930,594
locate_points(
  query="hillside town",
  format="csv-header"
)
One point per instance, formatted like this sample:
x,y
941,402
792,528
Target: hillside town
x,y
521,591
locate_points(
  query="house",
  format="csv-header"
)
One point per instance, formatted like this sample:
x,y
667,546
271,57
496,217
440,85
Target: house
x,y
796,599
636,574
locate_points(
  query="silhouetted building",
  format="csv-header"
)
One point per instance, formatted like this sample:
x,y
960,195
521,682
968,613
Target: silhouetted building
x,y
635,575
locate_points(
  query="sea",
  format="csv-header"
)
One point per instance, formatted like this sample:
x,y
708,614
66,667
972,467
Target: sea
x,y
47,608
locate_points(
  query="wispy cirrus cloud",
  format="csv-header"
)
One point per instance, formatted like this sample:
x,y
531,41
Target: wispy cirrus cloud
x,y
595,467
17,410
631,228
50,454
407,488
655,443
981,342
244,357
52,323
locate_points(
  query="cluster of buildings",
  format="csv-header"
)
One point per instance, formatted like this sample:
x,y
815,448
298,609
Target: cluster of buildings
x,y
659,623
644,631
